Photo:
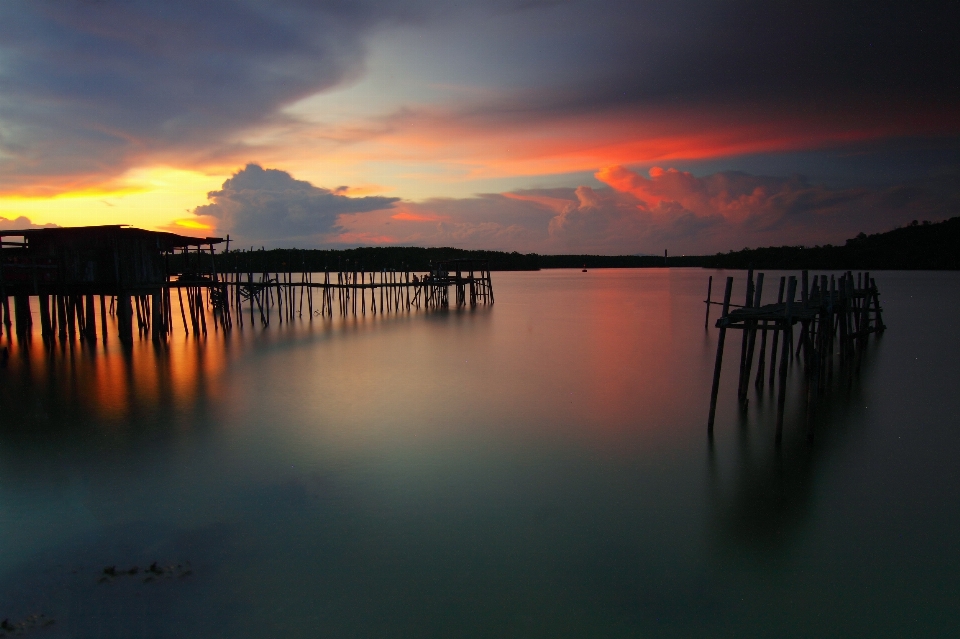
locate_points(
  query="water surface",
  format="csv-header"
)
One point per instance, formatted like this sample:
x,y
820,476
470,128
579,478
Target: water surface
x,y
538,468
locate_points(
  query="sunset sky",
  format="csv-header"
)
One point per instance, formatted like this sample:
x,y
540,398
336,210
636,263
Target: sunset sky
x,y
529,125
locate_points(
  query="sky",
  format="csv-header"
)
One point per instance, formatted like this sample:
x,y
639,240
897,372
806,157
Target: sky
x,y
521,125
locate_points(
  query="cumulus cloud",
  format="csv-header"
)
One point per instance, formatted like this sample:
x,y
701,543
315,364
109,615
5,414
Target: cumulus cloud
x,y
269,205
665,209
22,223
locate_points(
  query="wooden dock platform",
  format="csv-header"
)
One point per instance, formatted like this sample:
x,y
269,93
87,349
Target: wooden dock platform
x,y
833,317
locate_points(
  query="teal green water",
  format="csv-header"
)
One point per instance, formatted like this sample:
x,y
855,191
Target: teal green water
x,y
539,468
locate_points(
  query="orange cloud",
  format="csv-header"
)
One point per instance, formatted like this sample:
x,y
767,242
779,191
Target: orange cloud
x,y
496,142
425,216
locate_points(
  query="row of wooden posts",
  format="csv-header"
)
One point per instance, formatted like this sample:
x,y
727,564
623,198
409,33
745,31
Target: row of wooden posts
x,y
69,317
836,315
230,298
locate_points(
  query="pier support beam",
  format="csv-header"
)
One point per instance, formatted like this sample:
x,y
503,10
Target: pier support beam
x,y
158,330
125,319
91,321
103,318
46,327
23,319
61,305
719,363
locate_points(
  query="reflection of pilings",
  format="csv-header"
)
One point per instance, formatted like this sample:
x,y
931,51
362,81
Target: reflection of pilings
x,y
848,313
784,356
763,497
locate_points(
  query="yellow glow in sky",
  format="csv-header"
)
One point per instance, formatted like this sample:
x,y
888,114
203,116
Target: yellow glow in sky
x,y
148,198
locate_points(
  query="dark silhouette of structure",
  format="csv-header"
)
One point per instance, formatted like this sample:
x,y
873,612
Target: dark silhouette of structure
x,y
133,273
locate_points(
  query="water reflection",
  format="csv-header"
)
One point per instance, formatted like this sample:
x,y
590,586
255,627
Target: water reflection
x,y
767,497
84,386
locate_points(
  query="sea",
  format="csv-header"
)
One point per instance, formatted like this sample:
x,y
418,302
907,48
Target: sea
x,y
536,467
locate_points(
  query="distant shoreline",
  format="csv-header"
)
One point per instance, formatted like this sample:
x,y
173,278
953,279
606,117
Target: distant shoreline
x,y
917,246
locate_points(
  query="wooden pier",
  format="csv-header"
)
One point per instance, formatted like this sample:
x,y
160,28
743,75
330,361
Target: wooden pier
x,y
833,318
81,275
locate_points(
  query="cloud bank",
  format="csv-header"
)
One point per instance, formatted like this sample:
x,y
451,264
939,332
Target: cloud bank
x,y
668,209
270,206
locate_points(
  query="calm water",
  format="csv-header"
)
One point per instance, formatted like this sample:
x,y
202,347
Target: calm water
x,y
535,469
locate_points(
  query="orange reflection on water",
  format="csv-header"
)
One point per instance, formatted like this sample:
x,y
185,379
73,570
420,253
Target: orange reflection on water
x,y
626,350
112,385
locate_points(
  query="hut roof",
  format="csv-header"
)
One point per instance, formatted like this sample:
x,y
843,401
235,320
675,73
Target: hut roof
x,y
69,234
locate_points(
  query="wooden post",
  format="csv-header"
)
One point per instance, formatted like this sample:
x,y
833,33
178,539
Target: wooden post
x,y
125,318
834,304
6,307
156,321
784,357
91,321
21,310
851,307
706,320
202,311
103,318
758,295
136,306
61,306
745,339
876,306
804,299
72,316
183,315
865,307
719,361
46,328
762,357
776,336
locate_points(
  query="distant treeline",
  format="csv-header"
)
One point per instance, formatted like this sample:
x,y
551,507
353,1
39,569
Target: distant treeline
x,y
400,258
918,246
934,246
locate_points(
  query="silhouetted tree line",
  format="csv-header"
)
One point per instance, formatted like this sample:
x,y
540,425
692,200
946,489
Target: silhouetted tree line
x,y
917,246
401,258
934,246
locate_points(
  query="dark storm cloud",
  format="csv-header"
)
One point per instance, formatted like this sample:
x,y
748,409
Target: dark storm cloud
x,y
869,62
88,87
261,205
744,50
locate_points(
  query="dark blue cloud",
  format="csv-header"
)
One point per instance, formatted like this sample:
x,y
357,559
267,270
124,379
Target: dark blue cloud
x,y
819,51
